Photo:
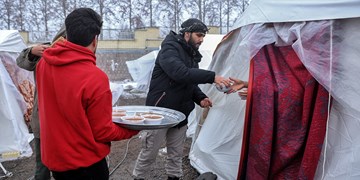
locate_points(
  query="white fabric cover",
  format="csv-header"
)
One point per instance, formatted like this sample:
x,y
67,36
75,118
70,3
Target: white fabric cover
x,y
330,51
11,41
265,11
14,133
206,49
141,69
116,90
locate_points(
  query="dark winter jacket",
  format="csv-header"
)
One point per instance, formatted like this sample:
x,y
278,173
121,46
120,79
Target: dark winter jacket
x,y
176,75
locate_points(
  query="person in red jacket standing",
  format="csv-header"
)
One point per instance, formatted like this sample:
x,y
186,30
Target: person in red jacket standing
x,y
75,106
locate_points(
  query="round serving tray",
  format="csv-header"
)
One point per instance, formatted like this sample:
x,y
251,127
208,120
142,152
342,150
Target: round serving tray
x,y
171,117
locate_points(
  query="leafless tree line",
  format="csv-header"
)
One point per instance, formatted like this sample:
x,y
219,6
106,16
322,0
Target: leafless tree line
x,y
49,15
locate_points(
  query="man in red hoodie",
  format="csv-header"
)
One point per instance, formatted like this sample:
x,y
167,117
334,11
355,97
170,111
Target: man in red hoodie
x,y
75,103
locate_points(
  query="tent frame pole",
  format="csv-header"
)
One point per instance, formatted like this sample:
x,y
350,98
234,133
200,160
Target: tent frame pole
x,y
7,173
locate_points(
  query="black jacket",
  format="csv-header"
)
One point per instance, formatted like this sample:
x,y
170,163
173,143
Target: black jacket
x,y
176,75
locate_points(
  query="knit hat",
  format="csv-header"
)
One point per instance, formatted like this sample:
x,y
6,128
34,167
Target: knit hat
x,y
193,25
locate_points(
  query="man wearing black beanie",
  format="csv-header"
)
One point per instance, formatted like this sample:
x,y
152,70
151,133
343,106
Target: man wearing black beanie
x,y
174,85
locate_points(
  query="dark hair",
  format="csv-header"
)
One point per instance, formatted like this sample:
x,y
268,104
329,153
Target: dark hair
x,y
193,25
82,25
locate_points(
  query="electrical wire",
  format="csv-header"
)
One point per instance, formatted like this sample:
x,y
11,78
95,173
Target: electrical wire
x,y
126,152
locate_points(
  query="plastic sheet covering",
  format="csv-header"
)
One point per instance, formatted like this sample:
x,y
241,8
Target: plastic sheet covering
x,y
207,49
14,138
330,51
116,91
274,11
141,69
14,141
11,41
217,140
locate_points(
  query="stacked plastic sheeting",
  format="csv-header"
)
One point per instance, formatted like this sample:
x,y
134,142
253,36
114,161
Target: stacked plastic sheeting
x,y
14,84
326,42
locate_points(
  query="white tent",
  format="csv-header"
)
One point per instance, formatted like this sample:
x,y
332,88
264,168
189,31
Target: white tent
x,y
290,22
15,138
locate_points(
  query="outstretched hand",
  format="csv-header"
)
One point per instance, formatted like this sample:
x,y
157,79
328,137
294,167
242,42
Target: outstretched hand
x,y
237,85
221,81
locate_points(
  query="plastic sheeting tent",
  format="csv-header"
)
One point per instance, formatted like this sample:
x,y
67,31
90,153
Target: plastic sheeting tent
x,y
141,69
15,138
333,60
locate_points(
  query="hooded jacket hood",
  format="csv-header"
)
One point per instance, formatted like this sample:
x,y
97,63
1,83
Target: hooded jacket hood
x,y
65,52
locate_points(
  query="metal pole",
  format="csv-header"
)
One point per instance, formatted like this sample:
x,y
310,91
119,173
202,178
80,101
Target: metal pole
x,y
7,173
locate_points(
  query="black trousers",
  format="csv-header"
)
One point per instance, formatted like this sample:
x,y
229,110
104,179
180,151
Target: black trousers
x,y
97,171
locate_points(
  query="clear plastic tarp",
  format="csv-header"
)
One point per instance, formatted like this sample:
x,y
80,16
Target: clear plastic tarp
x,y
330,51
16,93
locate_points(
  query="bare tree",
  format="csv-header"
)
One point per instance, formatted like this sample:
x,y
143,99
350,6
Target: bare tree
x,y
232,9
228,8
149,2
204,7
45,10
144,11
170,12
244,5
213,13
65,7
48,15
62,8
7,12
19,17
220,16
130,13
123,10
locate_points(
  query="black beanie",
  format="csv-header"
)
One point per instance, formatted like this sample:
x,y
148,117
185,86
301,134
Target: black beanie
x,y
193,25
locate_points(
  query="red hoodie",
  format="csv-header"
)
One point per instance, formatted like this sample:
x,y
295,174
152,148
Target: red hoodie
x,y
74,108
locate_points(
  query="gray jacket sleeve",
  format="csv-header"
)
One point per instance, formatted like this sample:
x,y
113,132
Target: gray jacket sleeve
x,y
26,60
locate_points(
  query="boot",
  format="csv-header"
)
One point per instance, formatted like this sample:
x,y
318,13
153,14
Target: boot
x,y
173,178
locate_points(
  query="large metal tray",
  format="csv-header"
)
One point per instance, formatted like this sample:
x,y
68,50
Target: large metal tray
x,y
171,117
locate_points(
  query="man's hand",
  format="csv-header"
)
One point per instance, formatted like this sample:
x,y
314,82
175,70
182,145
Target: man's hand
x,y
205,103
243,94
221,81
38,50
237,85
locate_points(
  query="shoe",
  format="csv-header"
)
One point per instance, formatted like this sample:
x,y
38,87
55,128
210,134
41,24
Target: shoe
x,y
207,176
31,178
173,178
